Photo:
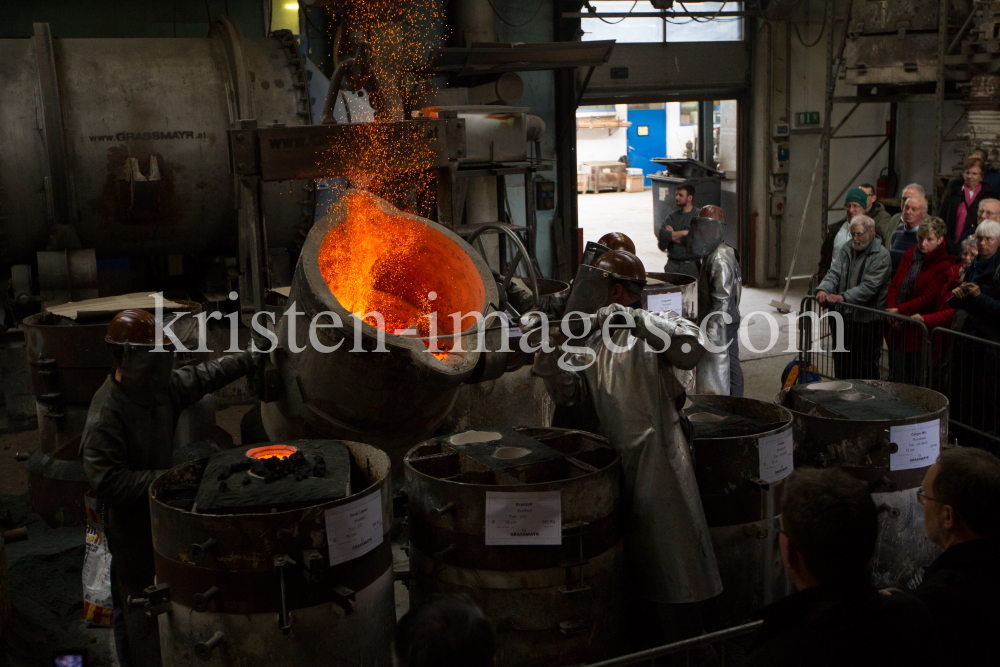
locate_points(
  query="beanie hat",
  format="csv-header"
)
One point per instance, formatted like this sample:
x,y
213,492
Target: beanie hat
x,y
858,196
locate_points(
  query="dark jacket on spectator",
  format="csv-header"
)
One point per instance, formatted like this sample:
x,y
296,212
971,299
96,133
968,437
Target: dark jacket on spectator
x,y
826,250
982,313
949,208
961,588
930,283
943,313
873,277
883,221
846,625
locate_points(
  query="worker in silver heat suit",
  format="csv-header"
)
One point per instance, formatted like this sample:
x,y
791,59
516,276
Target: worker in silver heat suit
x,y
719,291
627,381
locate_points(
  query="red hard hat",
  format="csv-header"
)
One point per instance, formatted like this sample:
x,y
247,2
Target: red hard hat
x,y
617,241
712,212
133,326
622,264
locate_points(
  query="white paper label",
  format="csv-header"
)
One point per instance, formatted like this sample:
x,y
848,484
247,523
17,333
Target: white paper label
x,y
775,452
523,518
663,193
917,445
661,303
515,330
354,529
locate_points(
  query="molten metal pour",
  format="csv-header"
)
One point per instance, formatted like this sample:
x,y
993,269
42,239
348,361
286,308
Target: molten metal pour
x,y
378,263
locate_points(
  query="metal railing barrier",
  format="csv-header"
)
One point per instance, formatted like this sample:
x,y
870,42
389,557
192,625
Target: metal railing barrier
x,y
870,345
685,646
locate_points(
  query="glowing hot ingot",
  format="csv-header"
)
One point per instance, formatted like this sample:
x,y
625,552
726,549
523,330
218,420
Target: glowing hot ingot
x,y
404,271
272,451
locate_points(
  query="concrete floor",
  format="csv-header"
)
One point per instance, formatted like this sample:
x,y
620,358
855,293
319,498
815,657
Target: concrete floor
x,y
632,214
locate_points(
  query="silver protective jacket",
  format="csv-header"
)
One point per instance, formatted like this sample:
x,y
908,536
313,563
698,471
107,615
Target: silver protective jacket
x,y
632,391
719,291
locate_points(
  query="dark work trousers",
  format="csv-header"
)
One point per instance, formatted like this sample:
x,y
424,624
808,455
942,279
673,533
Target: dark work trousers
x,y
685,268
863,341
735,370
118,620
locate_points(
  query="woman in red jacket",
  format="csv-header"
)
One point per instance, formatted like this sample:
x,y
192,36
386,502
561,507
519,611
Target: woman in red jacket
x,y
943,312
914,290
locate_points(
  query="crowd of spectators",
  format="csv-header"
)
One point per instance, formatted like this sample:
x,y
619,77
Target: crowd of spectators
x,y
940,270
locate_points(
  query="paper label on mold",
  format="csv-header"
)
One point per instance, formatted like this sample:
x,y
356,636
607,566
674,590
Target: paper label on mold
x,y
661,303
354,529
523,518
775,456
918,445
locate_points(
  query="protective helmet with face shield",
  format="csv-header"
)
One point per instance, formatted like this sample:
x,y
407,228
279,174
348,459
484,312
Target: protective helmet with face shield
x,y
706,231
593,284
133,338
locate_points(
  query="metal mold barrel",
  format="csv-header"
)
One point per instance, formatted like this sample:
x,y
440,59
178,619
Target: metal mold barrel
x,y
69,361
246,574
739,506
853,432
6,604
551,604
687,286
115,106
393,398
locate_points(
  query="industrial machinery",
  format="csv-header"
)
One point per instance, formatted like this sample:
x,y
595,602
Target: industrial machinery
x,y
276,555
886,435
526,523
742,454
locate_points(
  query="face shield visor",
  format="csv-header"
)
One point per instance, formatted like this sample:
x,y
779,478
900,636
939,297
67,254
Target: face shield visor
x,y
146,372
704,237
591,252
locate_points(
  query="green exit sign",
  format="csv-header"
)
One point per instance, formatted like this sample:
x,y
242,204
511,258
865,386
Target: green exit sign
x,y
803,118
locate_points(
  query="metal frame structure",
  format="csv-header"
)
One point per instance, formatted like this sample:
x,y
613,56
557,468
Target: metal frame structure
x,y
947,43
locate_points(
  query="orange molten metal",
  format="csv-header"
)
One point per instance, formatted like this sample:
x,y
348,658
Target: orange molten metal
x,y
376,261
272,451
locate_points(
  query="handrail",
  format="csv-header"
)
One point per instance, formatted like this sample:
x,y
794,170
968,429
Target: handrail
x,y
677,647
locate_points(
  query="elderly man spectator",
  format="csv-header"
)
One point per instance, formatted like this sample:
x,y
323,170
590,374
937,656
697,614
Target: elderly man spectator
x,y
828,528
859,275
961,499
905,235
447,631
911,190
920,279
839,233
877,212
674,229
960,207
989,209
974,365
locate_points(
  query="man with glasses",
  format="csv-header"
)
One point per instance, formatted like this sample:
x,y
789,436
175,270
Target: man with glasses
x,y
859,275
829,527
961,499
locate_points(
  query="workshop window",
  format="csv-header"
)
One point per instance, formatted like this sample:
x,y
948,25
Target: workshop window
x,y
643,25
689,113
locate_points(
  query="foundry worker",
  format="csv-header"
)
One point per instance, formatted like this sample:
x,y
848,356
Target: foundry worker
x,y
961,499
828,528
859,275
127,442
628,384
446,631
719,290
674,229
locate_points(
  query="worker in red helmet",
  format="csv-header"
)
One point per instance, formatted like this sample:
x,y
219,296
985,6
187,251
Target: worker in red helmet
x,y
625,381
719,291
127,442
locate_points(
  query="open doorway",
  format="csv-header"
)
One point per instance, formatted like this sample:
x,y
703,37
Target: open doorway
x,y
632,157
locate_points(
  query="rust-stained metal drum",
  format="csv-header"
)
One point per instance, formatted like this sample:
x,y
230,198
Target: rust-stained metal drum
x,y
848,424
554,604
264,580
69,361
730,438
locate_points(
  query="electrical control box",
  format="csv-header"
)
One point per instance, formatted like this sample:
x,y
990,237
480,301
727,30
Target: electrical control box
x,y
545,195
777,204
779,162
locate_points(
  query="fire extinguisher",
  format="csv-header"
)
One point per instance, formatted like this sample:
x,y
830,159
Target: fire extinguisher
x,y
882,184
